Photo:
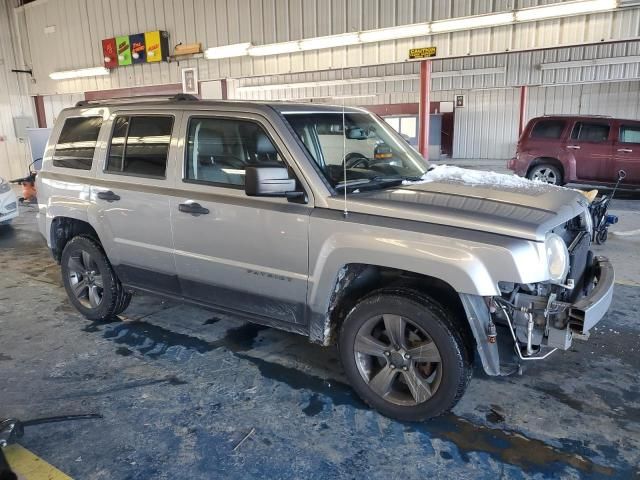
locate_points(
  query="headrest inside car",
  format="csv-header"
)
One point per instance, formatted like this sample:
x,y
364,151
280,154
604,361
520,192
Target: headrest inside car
x,y
264,145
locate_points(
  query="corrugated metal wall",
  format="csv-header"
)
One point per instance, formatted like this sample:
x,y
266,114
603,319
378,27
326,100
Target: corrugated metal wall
x,y
519,68
488,125
80,25
13,100
54,104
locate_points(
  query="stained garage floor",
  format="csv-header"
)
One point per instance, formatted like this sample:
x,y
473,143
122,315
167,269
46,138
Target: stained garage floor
x,y
180,388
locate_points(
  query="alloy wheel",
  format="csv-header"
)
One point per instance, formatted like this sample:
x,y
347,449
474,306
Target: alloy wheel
x,y
85,279
545,175
398,360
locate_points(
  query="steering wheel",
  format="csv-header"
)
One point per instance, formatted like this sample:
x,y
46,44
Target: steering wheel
x,y
355,159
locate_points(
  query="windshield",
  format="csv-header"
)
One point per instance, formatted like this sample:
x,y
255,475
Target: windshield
x,y
374,155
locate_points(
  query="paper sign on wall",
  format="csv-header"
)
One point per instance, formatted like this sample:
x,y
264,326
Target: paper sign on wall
x,y
109,53
124,50
138,49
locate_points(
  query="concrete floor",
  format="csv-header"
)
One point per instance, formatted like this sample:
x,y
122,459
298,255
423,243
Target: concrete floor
x,y
179,388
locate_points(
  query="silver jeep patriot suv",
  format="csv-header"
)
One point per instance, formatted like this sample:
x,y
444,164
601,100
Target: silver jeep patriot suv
x,y
323,221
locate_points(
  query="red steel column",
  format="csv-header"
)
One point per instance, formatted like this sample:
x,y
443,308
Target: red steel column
x,y
523,108
423,115
40,111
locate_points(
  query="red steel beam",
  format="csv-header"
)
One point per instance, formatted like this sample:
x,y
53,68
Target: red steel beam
x,y
523,109
40,111
423,115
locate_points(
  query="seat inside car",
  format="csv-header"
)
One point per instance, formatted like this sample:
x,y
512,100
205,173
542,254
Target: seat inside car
x,y
265,150
214,161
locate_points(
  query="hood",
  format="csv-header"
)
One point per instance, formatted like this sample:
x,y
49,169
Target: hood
x,y
501,204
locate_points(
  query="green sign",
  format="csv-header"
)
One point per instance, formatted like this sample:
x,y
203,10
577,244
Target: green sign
x,y
424,52
123,49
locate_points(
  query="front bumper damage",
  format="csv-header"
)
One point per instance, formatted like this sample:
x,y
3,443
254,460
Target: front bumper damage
x,y
590,309
539,325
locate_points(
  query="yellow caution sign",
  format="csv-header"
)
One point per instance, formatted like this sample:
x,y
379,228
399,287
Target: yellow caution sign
x,y
424,52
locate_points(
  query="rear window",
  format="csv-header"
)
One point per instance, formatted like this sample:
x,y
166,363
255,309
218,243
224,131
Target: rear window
x,y
590,132
629,134
548,129
77,143
140,146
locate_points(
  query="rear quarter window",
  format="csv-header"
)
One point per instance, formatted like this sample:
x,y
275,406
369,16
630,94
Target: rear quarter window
x,y
548,129
77,143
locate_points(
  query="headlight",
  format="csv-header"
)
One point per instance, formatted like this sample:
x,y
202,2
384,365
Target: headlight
x,y
557,257
4,186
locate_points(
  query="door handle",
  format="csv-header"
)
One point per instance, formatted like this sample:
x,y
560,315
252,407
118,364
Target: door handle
x,y
625,150
193,208
574,147
109,196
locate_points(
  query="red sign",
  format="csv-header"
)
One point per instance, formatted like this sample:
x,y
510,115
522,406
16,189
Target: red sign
x,y
109,53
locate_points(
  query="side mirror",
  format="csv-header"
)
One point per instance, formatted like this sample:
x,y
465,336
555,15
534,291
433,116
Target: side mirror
x,y
268,182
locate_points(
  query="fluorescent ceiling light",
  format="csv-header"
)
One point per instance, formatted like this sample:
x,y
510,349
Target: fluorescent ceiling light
x,y
354,81
274,49
469,72
468,23
330,41
564,9
227,51
328,83
82,72
593,62
393,33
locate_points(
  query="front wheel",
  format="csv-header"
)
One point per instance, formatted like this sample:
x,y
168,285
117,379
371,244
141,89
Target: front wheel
x,y
404,355
91,284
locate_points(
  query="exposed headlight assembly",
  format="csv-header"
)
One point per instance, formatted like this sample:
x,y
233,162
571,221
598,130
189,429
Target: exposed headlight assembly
x,y
557,258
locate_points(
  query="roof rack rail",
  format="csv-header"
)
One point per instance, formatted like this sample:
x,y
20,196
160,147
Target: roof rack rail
x,y
179,97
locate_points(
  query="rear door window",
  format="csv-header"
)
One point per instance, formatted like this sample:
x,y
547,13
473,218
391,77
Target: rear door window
x,y
629,134
548,129
77,143
140,145
590,132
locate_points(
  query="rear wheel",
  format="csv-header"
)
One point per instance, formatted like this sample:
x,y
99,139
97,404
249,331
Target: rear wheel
x,y
91,284
546,173
404,355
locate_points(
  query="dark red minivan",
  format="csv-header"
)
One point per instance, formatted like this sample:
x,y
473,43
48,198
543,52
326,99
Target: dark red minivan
x,y
579,149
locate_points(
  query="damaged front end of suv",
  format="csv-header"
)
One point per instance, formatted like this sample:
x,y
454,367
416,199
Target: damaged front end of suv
x,y
547,316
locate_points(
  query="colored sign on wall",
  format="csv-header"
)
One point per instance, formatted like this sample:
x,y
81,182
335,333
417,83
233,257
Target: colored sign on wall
x,y
109,53
124,50
138,49
157,44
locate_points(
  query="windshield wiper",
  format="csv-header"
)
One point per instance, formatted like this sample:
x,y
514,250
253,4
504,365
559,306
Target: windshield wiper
x,y
370,183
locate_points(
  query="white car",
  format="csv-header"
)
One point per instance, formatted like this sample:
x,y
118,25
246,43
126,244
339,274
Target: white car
x,y
8,203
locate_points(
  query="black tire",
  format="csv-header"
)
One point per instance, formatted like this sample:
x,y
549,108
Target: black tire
x,y
114,299
444,332
545,172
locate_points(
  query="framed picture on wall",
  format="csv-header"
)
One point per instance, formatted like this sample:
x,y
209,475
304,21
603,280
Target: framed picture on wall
x,y
190,81
459,101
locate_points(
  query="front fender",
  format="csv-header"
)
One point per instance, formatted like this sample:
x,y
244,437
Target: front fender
x,y
471,262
